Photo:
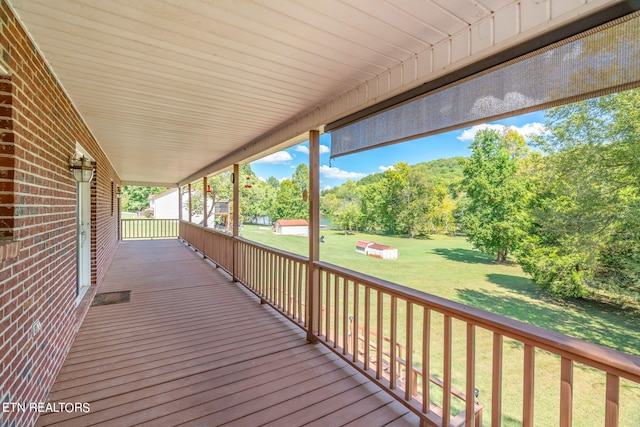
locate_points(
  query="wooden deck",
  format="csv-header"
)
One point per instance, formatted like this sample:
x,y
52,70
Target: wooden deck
x,y
193,348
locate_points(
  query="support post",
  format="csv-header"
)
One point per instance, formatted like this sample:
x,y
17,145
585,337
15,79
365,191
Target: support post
x,y
235,218
205,221
190,207
180,203
313,274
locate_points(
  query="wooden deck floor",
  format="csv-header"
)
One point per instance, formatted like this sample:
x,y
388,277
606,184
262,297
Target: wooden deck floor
x,y
193,348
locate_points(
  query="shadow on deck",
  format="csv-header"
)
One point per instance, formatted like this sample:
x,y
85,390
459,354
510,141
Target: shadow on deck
x,y
193,348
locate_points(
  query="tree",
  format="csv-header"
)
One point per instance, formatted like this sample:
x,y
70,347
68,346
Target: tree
x,y
440,209
585,226
135,198
404,201
288,203
371,202
273,182
301,177
496,216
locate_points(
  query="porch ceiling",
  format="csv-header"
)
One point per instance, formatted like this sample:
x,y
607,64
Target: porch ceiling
x,y
170,88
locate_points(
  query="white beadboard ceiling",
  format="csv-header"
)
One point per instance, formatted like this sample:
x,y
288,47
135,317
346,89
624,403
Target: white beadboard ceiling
x,y
176,88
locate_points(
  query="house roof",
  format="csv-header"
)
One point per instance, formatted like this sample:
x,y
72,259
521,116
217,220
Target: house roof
x,y
363,243
292,222
162,194
174,91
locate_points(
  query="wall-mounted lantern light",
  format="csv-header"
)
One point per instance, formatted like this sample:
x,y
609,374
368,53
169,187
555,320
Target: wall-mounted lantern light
x,y
119,193
82,168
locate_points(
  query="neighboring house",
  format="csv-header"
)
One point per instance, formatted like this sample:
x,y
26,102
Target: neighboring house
x,y
294,227
165,205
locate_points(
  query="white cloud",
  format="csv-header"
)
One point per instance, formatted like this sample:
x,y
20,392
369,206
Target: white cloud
x,y
331,172
385,168
527,130
469,134
530,129
260,178
276,158
327,187
305,150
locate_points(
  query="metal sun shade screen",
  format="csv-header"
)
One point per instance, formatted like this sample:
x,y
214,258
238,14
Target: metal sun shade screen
x,y
598,62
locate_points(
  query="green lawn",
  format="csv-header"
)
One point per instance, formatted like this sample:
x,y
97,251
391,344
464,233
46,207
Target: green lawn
x,y
449,267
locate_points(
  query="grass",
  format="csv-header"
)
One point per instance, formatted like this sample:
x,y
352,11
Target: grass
x,y
449,267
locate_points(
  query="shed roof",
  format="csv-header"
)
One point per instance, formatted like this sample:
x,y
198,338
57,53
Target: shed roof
x,y
380,247
292,222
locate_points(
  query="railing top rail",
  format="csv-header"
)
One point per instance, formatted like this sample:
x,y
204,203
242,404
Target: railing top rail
x,y
597,356
149,219
207,229
284,254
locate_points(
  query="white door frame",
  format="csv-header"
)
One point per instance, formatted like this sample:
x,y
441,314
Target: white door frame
x,y
83,235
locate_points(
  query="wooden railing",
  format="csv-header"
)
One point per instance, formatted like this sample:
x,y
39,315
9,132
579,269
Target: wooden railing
x,y
398,337
144,228
214,245
278,278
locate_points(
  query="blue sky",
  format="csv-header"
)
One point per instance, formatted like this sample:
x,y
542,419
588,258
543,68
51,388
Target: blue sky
x,y
355,166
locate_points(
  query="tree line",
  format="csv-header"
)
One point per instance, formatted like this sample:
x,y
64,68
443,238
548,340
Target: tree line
x,y
567,206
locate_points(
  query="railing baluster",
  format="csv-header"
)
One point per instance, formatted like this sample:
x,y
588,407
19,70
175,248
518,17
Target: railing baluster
x,y
426,350
280,282
367,326
283,284
446,382
345,317
613,401
336,311
393,342
291,265
408,369
298,284
328,307
496,382
379,334
470,414
528,385
355,327
272,277
566,392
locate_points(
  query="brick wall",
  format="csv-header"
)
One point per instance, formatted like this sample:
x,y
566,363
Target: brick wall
x,y
39,129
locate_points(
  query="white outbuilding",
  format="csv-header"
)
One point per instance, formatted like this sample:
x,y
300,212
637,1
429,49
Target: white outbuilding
x,y
381,251
292,227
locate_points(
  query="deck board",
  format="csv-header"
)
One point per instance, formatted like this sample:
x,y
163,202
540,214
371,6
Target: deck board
x,y
193,348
